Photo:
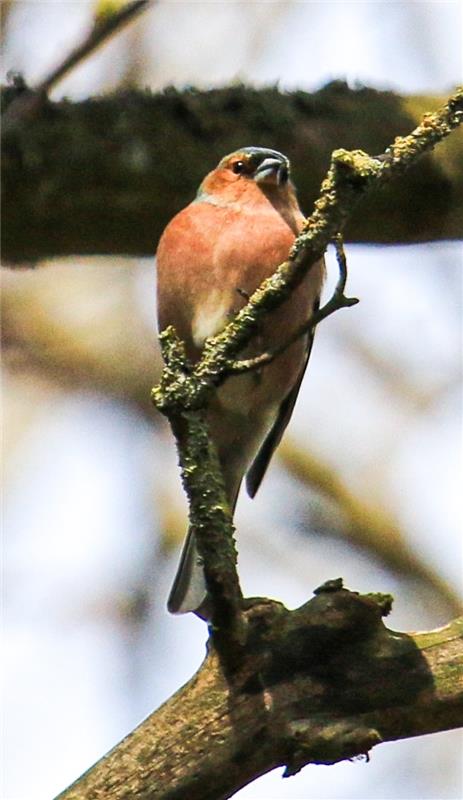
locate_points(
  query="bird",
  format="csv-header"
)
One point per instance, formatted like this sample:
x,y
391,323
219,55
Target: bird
x,y
210,258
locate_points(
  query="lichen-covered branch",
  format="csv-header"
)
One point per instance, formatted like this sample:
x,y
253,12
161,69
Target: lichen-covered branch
x,y
350,176
320,684
211,518
105,175
209,512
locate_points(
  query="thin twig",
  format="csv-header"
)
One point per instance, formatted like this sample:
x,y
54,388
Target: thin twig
x,y
105,26
337,300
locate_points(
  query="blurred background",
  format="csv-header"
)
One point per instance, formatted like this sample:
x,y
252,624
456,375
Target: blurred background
x,y
366,485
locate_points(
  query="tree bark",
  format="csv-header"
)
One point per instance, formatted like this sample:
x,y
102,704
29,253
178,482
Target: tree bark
x,y
319,684
105,175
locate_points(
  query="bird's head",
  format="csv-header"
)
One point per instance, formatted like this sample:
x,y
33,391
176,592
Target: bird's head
x,y
248,172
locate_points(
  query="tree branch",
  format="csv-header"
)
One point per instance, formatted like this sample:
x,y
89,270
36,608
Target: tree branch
x,y
320,684
363,523
178,398
106,26
337,301
104,176
350,176
27,104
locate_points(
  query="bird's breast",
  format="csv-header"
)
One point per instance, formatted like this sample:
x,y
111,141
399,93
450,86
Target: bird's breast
x,y
210,316
211,258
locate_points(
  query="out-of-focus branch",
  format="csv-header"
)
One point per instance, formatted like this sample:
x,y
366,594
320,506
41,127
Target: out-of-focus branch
x,y
106,25
104,176
364,524
6,9
320,684
101,345
397,382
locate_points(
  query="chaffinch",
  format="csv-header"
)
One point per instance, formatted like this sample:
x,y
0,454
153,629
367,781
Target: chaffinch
x,y
210,259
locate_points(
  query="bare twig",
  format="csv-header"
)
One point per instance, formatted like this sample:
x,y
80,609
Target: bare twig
x,y
337,300
105,26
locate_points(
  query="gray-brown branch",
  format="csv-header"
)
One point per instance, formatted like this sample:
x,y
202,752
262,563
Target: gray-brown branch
x,y
320,684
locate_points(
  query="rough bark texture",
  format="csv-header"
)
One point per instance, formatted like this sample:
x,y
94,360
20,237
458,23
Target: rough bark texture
x,y
319,684
105,175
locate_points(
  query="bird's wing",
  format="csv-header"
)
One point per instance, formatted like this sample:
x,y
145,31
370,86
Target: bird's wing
x,y
259,466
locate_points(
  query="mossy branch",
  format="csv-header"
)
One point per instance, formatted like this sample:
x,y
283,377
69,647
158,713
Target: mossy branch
x,y
104,176
350,176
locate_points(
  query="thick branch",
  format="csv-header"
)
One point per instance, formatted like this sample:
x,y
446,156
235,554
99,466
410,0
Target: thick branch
x,y
104,176
319,684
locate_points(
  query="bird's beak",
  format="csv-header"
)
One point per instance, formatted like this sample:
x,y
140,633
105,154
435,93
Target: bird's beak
x,y
272,171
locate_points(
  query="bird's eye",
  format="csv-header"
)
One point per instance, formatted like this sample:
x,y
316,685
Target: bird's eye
x,y
238,167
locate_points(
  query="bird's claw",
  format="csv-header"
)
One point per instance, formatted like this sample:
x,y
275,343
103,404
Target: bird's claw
x,y
243,293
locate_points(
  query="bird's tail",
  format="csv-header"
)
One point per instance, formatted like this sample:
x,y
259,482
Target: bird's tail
x,y
189,591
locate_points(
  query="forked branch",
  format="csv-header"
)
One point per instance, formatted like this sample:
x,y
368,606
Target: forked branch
x,y
337,300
